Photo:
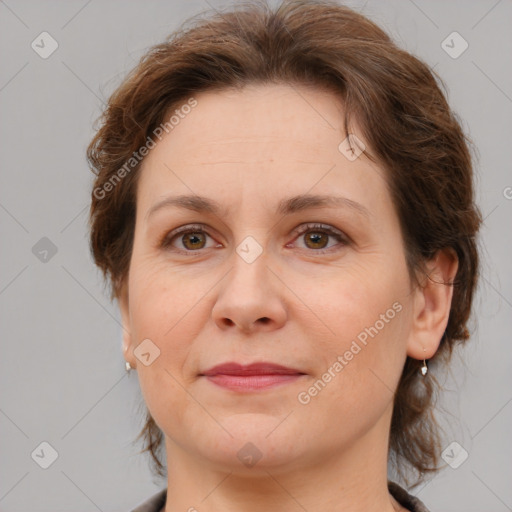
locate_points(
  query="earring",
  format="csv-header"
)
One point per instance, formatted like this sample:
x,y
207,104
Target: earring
x,y
128,366
424,368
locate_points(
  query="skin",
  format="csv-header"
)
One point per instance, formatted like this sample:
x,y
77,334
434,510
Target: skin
x,y
293,305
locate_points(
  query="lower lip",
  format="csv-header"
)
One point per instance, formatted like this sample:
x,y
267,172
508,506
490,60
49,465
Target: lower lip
x,y
252,382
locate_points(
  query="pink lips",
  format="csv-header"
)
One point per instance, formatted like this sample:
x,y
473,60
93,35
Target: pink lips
x,y
252,377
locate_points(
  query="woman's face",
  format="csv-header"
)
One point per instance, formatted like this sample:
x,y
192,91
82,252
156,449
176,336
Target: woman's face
x,y
270,276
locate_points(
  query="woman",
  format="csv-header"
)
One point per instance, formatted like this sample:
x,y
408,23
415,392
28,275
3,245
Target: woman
x,y
284,208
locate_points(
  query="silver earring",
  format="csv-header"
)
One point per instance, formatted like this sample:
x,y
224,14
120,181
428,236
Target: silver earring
x,y
424,368
128,366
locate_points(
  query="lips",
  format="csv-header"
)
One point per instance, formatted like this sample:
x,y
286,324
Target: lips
x,y
253,369
251,378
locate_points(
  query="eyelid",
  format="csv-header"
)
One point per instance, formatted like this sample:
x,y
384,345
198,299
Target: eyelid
x,y
188,228
309,226
324,228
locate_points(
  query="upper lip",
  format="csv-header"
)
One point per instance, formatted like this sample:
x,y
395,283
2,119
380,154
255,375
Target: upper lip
x,y
263,368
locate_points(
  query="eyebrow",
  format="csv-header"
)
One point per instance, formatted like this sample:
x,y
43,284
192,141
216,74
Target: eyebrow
x,y
285,207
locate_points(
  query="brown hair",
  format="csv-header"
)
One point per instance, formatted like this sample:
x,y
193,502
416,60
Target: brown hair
x,y
405,120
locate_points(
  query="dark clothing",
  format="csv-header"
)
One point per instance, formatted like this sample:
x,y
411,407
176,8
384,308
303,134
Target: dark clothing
x,y
410,502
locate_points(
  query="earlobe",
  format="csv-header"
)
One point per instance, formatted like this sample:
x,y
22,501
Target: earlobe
x,y
432,304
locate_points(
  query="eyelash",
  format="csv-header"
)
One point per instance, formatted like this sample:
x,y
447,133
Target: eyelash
x,y
201,228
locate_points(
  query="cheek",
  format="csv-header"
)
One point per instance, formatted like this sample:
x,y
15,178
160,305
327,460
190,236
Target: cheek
x,y
166,310
364,321
354,300
360,366
163,303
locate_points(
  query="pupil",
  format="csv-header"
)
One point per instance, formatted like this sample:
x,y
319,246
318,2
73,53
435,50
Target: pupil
x,y
193,239
315,237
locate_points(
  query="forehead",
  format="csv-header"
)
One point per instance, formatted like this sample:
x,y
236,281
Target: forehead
x,y
260,141
282,118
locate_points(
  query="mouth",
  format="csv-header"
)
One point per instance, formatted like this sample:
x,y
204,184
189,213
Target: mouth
x,y
253,377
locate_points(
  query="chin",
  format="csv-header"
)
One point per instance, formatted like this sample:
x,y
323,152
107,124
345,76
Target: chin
x,y
251,448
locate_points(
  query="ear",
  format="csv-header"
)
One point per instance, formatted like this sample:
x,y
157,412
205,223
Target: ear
x,y
432,303
126,324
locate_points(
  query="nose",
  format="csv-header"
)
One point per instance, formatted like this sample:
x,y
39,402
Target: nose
x,y
251,298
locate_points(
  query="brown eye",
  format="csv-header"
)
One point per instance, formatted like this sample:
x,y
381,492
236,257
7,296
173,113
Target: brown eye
x,y
316,238
187,239
193,240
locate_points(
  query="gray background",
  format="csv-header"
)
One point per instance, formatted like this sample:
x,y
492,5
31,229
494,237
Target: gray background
x,y
62,371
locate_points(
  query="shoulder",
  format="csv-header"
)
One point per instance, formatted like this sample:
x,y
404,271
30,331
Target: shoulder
x,y
405,499
153,504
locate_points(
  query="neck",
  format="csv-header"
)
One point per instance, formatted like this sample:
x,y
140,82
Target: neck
x,y
351,479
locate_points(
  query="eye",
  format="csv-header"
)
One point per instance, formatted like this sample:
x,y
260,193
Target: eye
x,y
189,238
316,237
193,238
